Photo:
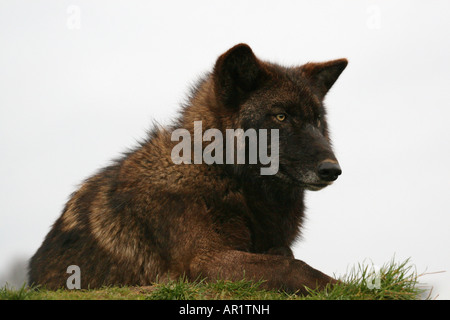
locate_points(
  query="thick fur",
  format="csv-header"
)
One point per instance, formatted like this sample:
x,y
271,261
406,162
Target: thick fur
x,y
145,218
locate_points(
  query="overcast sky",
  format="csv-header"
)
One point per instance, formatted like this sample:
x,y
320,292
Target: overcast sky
x,y
81,81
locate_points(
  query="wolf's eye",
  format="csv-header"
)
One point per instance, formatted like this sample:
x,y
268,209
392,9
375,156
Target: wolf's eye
x,y
281,116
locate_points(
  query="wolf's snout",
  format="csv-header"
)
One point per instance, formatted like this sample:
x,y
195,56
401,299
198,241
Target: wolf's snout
x,y
329,170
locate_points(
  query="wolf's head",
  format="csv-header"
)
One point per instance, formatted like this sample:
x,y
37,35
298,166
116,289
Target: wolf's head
x,y
252,94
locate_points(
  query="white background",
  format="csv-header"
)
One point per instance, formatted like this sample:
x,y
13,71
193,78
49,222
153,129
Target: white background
x,y
81,81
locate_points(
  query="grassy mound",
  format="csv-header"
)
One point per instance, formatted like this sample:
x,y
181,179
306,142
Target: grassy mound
x,y
393,281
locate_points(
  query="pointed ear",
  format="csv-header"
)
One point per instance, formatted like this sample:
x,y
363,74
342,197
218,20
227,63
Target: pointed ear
x,y
323,75
237,72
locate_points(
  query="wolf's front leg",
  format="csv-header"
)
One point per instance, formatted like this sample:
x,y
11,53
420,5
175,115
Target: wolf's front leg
x,y
278,272
281,251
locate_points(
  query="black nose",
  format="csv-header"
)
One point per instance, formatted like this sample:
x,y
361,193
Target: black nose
x,y
329,171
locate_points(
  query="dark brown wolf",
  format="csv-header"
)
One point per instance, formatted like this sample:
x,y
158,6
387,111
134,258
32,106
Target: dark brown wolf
x,y
146,218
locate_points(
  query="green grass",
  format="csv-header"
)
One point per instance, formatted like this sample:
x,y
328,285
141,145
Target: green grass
x,y
397,281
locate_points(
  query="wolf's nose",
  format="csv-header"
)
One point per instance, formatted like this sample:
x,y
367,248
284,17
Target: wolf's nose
x,y
328,170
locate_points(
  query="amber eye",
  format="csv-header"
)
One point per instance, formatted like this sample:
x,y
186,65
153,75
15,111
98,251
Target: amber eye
x,y
281,116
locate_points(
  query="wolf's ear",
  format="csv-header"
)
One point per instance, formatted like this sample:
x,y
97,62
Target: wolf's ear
x,y
323,75
236,73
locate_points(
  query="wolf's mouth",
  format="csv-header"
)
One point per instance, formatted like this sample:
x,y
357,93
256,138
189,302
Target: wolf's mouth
x,y
316,186
299,180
